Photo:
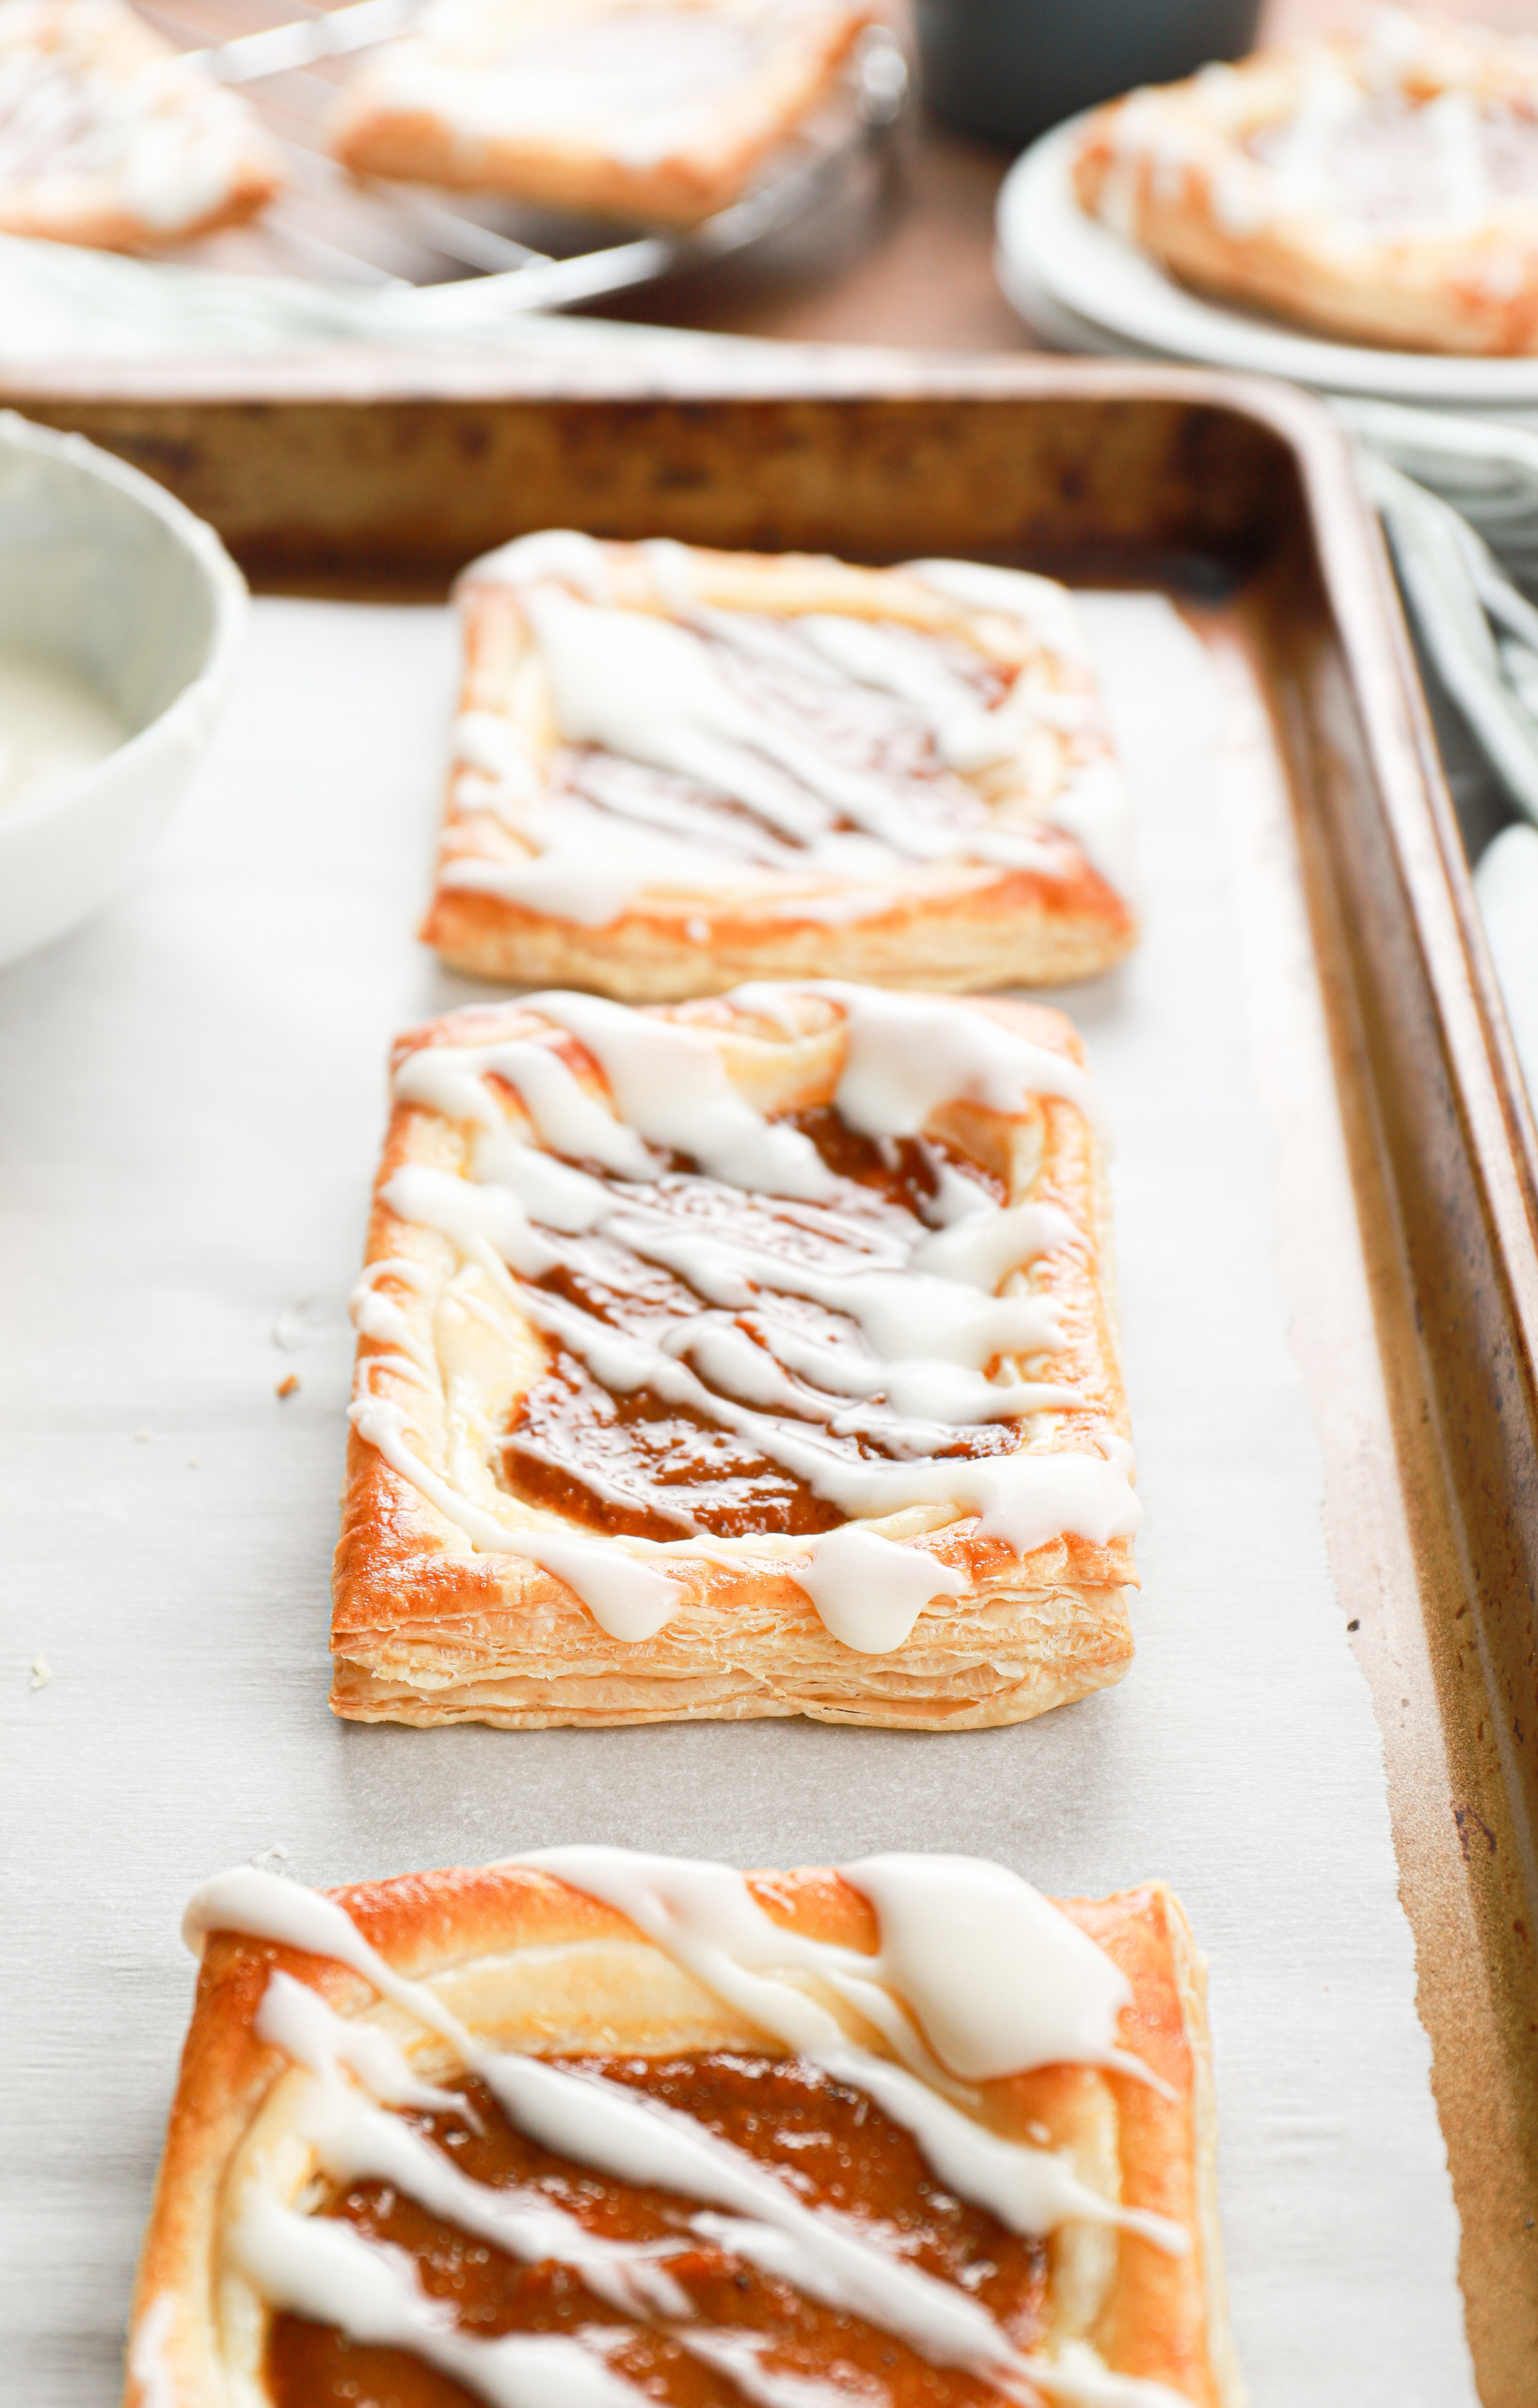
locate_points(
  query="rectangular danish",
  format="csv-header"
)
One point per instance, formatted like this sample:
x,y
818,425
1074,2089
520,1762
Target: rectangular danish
x,y
654,110
1382,186
593,2130
675,769
109,137
741,1358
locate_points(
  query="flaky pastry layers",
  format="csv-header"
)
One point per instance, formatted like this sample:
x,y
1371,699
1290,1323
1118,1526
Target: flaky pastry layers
x,y
591,2129
109,137
1383,188
656,110
675,769
749,1357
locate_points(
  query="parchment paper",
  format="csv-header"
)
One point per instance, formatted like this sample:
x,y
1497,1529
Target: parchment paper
x,y
191,1098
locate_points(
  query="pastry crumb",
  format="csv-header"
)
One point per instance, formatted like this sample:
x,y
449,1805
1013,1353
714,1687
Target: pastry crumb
x,y
289,1386
41,1673
143,1436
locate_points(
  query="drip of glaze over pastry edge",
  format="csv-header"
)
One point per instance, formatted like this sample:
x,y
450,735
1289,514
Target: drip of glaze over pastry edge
x,y
706,1917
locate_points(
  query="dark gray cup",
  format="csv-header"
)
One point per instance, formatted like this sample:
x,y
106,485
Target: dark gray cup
x,y
1009,69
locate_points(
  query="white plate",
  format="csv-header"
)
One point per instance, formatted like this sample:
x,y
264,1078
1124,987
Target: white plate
x,y
1115,299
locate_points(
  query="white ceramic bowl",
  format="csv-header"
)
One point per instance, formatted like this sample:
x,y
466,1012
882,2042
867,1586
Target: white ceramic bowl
x,y
102,573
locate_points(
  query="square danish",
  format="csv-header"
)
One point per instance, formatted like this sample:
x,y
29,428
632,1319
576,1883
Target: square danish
x,y
654,110
675,769
743,1357
595,2129
109,138
1382,187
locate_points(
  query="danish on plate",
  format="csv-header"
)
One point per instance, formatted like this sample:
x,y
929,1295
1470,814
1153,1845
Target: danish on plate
x,y
658,110
674,768
1383,188
593,2129
110,138
743,1357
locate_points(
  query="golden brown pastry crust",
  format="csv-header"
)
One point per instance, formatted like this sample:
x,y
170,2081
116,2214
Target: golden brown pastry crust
x,y
106,51
1160,2317
953,925
1170,171
397,119
427,1630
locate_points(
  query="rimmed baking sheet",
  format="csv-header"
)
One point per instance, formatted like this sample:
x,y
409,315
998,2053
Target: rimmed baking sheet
x,y
193,1096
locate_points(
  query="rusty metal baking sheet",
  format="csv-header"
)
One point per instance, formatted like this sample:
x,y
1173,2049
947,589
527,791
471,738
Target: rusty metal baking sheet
x,y
193,1099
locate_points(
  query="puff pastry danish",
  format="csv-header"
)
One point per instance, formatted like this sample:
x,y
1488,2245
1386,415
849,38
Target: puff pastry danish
x,y
589,2130
743,1357
109,137
658,110
675,769
1383,188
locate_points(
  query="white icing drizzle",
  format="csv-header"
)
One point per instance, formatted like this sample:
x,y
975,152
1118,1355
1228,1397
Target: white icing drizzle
x,y
998,1978
1299,161
356,2141
669,1083
637,84
1396,134
704,1917
317,2267
556,552
655,690
381,1318
1038,602
262,1906
906,1357
1468,192
147,2365
649,689
908,1055
949,1927
870,1592
1023,1499
627,1599
891,659
297,2019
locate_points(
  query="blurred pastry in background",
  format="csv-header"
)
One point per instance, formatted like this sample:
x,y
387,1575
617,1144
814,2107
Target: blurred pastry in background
x,y
653,110
1383,188
110,138
674,768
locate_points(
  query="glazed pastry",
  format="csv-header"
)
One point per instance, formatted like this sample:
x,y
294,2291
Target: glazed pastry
x,y
754,1357
657,110
1383,188
677,768
593,2130
109,137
